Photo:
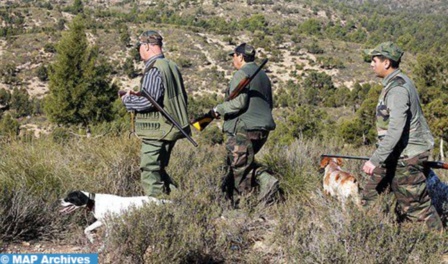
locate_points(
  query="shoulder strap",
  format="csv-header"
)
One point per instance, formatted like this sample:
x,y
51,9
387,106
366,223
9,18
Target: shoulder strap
x,y
149,67
396,81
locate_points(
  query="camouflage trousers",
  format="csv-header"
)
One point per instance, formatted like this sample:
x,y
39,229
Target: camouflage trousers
x,y
407,181
244,175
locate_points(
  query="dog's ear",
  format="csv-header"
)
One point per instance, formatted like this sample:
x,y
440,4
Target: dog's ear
x,y
324,162
77,198
339,162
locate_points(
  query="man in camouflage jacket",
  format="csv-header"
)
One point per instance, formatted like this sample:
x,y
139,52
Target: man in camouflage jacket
x,y
404,142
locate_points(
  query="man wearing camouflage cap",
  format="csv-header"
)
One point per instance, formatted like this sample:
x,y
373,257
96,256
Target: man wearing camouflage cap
x,y
163,81
247,122
404,142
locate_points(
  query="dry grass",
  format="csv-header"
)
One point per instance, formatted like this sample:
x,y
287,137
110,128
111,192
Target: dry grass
x,y
199,227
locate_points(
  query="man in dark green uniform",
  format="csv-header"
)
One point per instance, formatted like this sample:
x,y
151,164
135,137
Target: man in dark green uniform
x,y
404,142
163,81
247,122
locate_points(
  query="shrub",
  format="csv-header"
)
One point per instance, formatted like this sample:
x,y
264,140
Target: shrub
x,y
9,126
35,174
323,232
211,135
184,62
42,73
129,69
198,226
179,233
20,102
5,97
49,47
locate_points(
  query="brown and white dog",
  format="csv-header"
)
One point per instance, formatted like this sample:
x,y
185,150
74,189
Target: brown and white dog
x,y
337,182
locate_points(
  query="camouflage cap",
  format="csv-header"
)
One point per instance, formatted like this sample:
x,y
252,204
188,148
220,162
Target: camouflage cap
x,y
151,37
387,49
244,49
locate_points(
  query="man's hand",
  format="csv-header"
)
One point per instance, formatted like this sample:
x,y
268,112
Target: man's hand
x,y
213,113
122,94
368,167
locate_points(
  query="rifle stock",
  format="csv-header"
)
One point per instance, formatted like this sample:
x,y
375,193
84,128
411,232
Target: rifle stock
x,y
163,111
430,164
202,121
245,82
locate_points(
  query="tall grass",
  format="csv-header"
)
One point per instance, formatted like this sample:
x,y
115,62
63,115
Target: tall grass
x,y
199,227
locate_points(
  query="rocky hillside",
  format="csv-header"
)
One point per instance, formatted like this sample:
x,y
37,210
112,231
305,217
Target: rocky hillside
x,y
37,27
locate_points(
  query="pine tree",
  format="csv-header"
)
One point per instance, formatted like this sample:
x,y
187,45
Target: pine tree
x,y
80,90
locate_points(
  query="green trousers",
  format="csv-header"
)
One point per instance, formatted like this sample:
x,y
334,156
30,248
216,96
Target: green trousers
x,y
155,156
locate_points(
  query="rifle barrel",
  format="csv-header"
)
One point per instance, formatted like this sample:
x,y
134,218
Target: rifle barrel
x,y
430,164
436,164
344,157
169,117
165,113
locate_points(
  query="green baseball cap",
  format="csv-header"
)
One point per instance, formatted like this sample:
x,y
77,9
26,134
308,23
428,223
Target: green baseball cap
x,y
244,49
387,49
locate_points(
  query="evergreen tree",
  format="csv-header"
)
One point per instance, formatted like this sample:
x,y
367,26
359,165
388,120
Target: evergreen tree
x,y
362,128
20,102
430,71
80,90
436,113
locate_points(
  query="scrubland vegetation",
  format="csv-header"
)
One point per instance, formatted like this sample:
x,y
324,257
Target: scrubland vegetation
x,y
199,227
62,65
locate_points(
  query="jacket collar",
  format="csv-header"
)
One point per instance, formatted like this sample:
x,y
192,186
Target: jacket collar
x,y
389,77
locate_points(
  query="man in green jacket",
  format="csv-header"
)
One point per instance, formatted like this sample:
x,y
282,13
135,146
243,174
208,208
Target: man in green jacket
x,y
163,81
247,122
404,142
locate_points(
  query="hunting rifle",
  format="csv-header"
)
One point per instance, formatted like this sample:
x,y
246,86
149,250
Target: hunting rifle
x,y
163,111
430,164
204,120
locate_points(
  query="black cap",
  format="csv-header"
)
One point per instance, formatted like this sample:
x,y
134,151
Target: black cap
x,y
244,49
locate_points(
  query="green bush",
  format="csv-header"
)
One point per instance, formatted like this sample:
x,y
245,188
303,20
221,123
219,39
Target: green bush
x,y
129,69
20,102
323,232
9,126
177,233
5,97
184,62
212,135
9,74
42,73
49,47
